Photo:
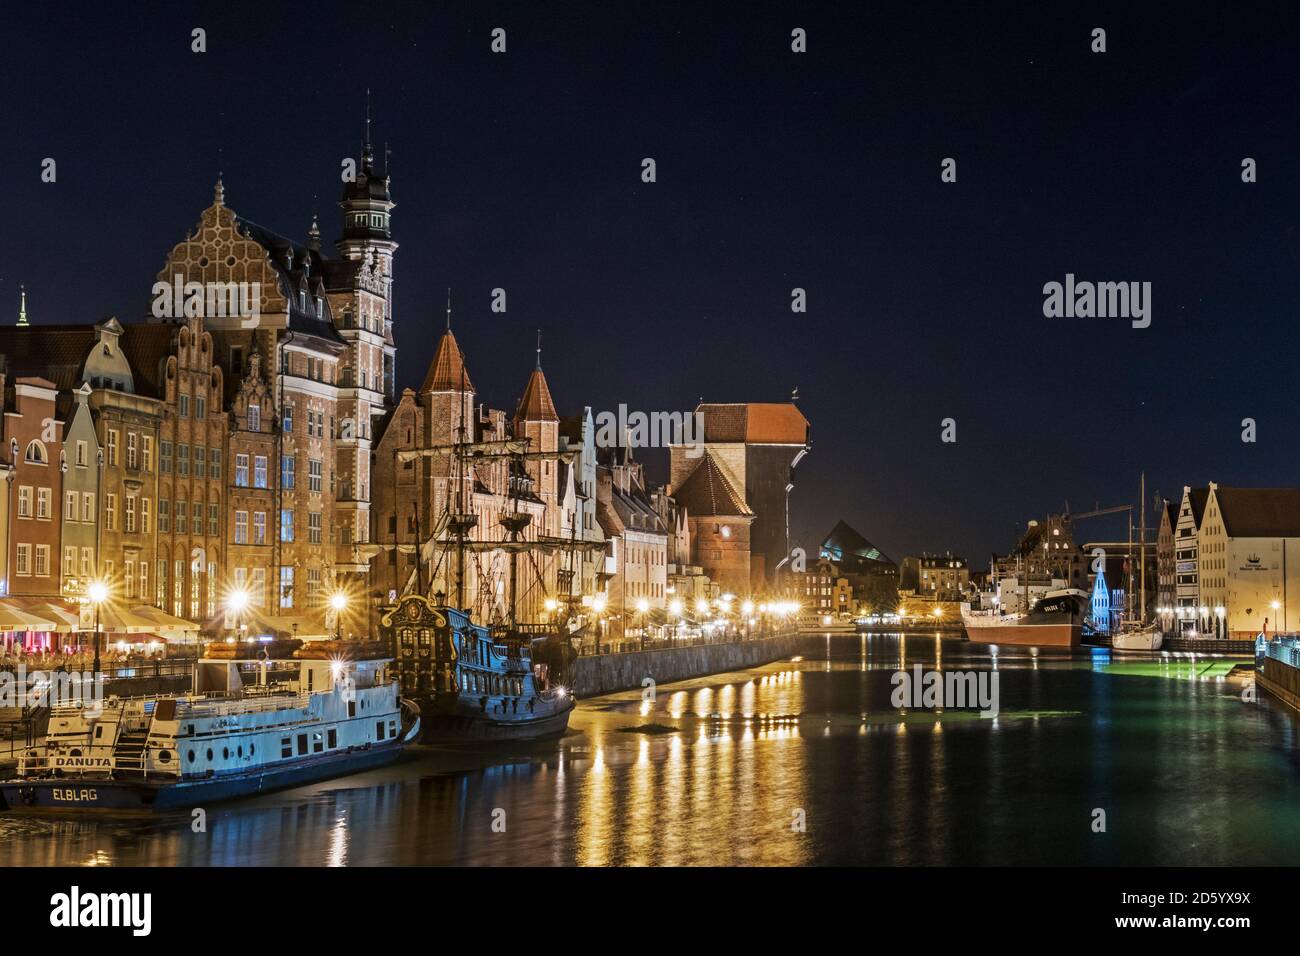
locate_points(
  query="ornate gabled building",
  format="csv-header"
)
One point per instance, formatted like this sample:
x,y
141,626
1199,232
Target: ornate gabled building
x,y
638,541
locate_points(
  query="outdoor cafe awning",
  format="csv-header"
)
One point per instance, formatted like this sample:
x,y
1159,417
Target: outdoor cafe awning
x,y
162,621
65,619
14,619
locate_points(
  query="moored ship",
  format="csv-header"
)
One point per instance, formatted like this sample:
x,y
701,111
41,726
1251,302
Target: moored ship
x,y
248,726
1054,620
471,683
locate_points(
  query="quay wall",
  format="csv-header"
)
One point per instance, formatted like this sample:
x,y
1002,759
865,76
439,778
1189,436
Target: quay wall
x,y
609,673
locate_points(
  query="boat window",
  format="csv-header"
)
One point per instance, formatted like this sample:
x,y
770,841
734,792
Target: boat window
x,y
352,708
225,753
165,756
99,731
379,730
333,738
190,756
392,728
239,751
286,747
317,745
209,753
302,744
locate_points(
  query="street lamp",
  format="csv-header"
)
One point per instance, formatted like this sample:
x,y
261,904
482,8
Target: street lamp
x,y
236,601
338,601
675,609
98,592
598,605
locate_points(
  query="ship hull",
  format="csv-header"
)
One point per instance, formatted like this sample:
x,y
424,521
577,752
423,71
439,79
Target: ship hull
x,y
465,723
1028,635
88,795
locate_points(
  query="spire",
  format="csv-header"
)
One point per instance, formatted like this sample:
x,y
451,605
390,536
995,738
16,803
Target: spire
x,y
313,234
447,371
448,308
219,192
536,405
22,307
539,348
367,151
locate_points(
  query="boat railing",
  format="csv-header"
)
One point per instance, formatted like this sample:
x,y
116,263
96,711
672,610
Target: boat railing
x,y
243,705
144,764
1285,650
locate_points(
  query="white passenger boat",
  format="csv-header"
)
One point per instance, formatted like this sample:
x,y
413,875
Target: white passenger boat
x,y
248,726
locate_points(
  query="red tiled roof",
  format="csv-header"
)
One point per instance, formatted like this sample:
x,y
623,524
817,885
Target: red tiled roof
x,y
771,423
708,491
536,405
447,372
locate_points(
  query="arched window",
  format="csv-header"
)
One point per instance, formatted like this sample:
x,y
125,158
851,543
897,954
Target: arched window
x,y
36,453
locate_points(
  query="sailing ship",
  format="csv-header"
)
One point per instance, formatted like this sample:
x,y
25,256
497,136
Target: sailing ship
x,y
248,726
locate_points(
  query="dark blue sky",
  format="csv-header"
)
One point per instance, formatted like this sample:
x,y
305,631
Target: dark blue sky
x,y
775,170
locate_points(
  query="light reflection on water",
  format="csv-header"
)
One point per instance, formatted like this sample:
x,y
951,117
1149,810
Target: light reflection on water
x,y
714,771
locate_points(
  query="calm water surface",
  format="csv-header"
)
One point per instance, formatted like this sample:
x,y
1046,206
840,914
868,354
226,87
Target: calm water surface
x,y
715,769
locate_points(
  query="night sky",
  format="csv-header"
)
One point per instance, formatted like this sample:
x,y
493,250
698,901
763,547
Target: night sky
x,y
775,170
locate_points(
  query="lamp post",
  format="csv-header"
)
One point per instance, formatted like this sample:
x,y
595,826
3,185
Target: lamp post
x,y
675,609
98,595
338,601
598,605
642,608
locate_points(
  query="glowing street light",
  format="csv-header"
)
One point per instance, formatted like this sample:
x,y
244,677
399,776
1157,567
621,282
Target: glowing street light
x,y
339,602
98,592
642,607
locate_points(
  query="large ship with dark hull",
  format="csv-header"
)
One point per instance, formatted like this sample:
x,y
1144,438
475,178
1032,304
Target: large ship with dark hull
x,y
473,683
1054,620
248,726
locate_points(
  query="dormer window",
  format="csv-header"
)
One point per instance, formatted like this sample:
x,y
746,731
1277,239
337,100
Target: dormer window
x,y
36,453
302,300
320,307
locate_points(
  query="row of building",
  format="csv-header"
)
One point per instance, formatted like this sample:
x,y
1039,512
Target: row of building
x,y
265,449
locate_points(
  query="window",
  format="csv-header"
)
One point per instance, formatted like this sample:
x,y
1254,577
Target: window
x,y
200,407
214,462
43,503
144,580
254,418
286,472
164,515
83,454
36,453
87,506
286,587
314,474
112,446
183,460
42,560
110,511
241,471
184,402
182,517
200,461
302,744
148,453
196,517
333,737
259,471
69,562
132,450
259,527
24,501
379,730
145,521
286,524
87,558
70,506
314,527
130,514
165,457
313,587
287,423
23,560
241,527
286,747
259,586
214,517
128,571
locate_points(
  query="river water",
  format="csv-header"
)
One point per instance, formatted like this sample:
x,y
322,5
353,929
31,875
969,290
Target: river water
x,y
803,761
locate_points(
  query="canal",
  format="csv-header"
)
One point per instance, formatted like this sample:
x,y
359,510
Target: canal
x,y
724,770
